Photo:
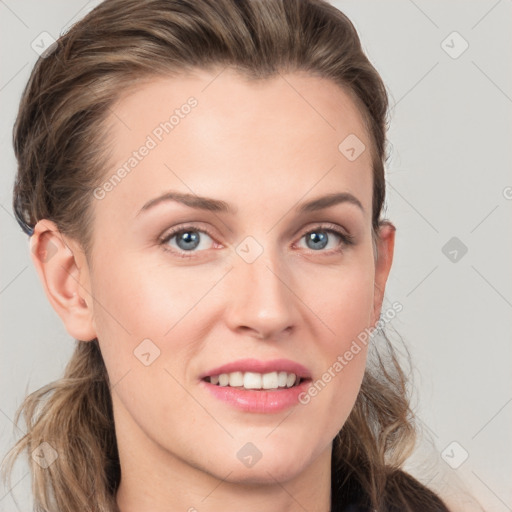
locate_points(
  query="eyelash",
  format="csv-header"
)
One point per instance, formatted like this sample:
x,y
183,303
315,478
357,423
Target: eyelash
x,y
346,239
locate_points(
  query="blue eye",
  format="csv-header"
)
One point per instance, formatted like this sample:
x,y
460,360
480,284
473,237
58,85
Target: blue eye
x,y
319,239
187,241
190,240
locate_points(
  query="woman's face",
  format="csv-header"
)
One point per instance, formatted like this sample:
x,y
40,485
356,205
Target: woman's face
x,y
265,276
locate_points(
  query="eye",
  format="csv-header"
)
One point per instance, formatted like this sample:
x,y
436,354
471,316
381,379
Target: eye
x,y
186,240
329,237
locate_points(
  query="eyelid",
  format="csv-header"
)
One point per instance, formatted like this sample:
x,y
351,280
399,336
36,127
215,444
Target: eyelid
x,y
167,235
346,238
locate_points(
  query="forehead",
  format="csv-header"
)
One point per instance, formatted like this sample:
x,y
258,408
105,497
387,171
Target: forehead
x,y
225,95
219,133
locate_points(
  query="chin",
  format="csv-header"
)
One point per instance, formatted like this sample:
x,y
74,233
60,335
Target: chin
x,y
266,473
279,464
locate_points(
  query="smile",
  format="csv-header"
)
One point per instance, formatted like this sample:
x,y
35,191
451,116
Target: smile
x,y
253,380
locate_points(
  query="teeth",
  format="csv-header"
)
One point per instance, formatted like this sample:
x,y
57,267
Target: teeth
x,y
236,379
252,380
269,381
290,381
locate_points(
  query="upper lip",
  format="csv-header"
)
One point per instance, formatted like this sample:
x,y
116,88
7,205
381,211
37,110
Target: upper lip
x,y
257,366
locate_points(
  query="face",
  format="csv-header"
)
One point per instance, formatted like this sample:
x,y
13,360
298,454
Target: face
x,y
260,279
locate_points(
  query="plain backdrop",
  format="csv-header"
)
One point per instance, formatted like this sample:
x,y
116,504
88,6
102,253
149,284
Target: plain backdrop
x,y
449,182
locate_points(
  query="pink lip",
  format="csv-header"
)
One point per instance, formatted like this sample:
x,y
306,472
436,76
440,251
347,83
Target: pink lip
x,y
260,401
253,400
254,365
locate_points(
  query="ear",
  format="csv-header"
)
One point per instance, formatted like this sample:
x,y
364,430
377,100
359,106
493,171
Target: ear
x,y
385,245
62,267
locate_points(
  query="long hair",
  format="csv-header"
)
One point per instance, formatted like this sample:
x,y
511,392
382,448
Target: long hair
x,y
59,145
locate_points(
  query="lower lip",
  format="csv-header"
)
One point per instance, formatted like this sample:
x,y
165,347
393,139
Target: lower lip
x,y
256,400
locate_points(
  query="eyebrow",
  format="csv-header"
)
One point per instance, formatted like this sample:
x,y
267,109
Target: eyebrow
x,y
191,200
329,200
218,206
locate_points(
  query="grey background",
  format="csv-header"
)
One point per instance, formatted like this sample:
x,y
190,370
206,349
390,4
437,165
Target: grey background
x,y
450,166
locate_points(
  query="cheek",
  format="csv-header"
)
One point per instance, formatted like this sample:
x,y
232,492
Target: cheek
x,y
146,322
137,302
346,308
346,302
143,299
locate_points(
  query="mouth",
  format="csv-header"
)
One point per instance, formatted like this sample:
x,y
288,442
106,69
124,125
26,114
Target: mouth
x,y
256,381
257,386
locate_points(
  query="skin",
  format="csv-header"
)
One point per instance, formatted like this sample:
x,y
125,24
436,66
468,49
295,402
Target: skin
x,y
263,147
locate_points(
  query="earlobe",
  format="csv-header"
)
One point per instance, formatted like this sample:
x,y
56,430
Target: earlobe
x,y
63,270
385,249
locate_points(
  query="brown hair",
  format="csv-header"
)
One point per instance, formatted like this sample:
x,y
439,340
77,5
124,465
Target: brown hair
x,y
59,145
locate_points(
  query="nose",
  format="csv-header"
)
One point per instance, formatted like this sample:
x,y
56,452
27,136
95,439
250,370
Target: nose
x,y
262,302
